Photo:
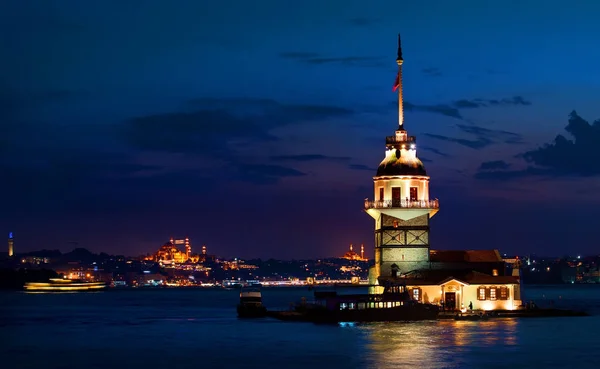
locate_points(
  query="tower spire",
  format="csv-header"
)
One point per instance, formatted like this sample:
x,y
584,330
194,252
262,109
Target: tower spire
x,y
398,86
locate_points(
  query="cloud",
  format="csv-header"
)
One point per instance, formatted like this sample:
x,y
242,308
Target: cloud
x,y
435,151
452,109
483,137
309,157
510,174
474,144
442,109
579,157
216,129
266,174
493,165
433,72
362,167
212,124
496,135
318,59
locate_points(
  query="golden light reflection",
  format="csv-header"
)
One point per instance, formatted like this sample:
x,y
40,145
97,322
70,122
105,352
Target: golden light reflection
x,y
60,285
433,344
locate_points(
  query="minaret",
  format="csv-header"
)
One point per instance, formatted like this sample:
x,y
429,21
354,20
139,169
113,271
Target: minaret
x,y
362,252
188,248
11,244
401,206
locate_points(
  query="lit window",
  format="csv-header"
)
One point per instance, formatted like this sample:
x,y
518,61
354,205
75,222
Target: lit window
x,y
495,272
493,294
481,295
503,293
416,294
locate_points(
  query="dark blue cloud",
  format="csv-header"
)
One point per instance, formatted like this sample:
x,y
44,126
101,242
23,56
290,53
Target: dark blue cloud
x,y
348,61
309,157
562,157
493,165
362,167
453,109
484,137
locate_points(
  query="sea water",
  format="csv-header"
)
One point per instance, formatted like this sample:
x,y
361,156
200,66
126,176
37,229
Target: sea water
x,y
198,328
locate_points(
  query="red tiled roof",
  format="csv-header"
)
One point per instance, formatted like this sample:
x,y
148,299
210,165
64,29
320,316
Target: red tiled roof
x,y
482,278
433,277
472,256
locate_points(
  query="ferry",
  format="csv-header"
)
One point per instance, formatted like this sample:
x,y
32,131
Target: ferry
x,y
64,285
394,304
250,305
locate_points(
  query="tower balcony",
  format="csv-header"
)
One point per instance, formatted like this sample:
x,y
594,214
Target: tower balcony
x,y
393,140
402,204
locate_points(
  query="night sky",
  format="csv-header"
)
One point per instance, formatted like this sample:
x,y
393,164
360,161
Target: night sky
x,y
255,127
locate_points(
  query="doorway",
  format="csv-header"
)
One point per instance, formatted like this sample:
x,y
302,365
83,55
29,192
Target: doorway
x,y
450,301
414,193
396,197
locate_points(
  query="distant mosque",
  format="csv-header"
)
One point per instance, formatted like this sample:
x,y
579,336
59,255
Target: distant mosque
x,y
402,209
170,253
351,255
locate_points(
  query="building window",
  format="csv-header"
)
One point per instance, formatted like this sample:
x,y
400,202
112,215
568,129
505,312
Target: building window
x,y
495,272
380,193
481,293
493,293
416,294
503,293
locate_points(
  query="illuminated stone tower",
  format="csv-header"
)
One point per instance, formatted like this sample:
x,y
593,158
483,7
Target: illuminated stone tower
x,y
11,244
401,205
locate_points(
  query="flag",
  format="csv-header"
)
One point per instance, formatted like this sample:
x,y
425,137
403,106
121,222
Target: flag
x,y
397,83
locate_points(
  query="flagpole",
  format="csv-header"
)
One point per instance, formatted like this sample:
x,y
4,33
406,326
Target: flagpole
x,y
399,61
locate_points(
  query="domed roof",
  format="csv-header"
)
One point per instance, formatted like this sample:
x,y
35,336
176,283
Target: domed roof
x,y
396,165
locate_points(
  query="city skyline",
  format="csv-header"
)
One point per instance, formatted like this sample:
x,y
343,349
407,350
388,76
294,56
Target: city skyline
x,y
207,124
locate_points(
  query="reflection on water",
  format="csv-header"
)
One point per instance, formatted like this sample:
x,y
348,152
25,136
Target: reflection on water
x,y
434,344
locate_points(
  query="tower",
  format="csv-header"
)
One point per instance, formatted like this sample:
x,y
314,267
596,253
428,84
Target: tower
x,y
401,206
11,244
188,248
362,251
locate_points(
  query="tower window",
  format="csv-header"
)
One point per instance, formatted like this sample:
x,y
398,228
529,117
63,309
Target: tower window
x,y
414,194
380,193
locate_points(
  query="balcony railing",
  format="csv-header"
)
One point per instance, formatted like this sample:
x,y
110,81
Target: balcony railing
x,y
391,140
408,204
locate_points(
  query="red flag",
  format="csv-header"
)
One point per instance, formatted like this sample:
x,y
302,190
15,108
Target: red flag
x,y
397,83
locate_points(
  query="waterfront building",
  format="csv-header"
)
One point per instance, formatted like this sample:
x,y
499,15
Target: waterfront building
x,y
402,210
